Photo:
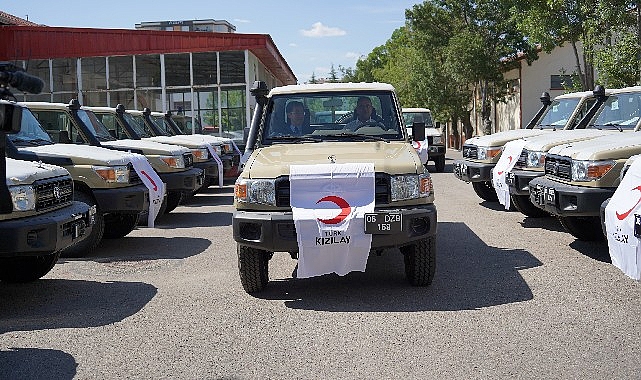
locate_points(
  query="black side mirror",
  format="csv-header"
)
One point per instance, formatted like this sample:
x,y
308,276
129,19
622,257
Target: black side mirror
x,y
10,118
418,131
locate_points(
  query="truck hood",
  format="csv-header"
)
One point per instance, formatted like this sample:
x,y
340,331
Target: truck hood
x,y
200,139
501,138
148,147
274,161
610,147
82,154
177,140
27,172
544,142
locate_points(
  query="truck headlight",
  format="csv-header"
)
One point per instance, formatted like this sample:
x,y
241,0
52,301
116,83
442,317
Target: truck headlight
x,y
486,153
583,171
227,148
260,191
217,149
118,174
177,162
535,159
200,154
437,140
23,197
410,186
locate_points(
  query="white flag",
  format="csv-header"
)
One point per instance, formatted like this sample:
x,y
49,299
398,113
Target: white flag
x,y
624,247
153,182
329,202
509,157
219,162
422,148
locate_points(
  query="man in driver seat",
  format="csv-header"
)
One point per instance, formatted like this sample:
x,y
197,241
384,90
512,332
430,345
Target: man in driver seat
x,y
365,114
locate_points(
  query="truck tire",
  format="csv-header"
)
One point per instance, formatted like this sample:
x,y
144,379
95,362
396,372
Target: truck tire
x,y
439,164
26,269
89,243
587,228
523,204
485,191
173,200
420,261
253,267
119,225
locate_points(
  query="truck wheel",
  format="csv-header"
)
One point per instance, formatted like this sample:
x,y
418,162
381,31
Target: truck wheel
x,y
587,228
253,268
522,203
485,190
173,200
119,225
420,261
89,243
439,164
26,269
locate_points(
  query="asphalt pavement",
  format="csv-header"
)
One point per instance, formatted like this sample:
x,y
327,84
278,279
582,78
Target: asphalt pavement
x,y
513,297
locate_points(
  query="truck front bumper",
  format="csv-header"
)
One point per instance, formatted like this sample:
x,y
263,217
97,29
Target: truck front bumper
x,y
47,233
469,171
188,180
435,151
275,231
567,200
210,168
128,200
518,181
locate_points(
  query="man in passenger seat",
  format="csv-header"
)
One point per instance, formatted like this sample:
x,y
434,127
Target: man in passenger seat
x,y
364,114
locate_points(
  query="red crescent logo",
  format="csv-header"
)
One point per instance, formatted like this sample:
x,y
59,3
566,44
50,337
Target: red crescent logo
x,y
340,202
625,214
418,143
151,180
508,164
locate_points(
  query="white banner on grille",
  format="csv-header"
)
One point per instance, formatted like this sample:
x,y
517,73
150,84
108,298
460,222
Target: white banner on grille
x,y
624,247
153,182
329,202
509,156
422,148
219,162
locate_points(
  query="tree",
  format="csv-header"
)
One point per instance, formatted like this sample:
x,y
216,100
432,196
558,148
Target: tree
x,y
333,75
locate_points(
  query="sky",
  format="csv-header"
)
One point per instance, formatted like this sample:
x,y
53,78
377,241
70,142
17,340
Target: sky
x,y
311,36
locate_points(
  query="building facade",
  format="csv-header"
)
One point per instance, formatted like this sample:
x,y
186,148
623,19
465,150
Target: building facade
x,y
203,75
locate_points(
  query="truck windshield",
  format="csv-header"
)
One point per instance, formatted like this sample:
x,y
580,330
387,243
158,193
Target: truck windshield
x,y
620,111
95,126
31,132
362,114
558,113
411,117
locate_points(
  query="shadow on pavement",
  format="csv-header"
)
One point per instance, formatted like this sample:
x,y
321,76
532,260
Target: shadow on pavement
x,y
146,248
469,275
179,219
56,304
37,363
596,250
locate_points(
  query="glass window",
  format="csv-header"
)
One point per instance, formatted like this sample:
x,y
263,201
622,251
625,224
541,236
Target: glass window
x,y
59,126
560,82
148,70
206,108
126,98
39,68
558,113
64,74
63,97
94,73
94,98
151,99
205,72
121,72
232,67
233,109
179,101
177,70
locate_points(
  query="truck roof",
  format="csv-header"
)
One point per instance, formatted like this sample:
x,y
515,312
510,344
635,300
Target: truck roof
x,y
416,110
323,87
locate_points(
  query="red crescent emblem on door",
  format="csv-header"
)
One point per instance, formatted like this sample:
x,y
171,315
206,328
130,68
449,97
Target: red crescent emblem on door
x,y
625,214
508,164
418,145
340,202
151,180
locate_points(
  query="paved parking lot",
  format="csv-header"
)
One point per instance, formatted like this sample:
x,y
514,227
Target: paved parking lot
x,y
513,297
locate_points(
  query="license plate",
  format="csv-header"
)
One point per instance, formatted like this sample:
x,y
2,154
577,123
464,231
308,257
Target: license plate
x,y
550,195
383,223
509,178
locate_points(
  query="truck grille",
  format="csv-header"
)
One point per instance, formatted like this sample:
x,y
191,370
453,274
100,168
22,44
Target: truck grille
x,y
558,166
521,162
189,160
382,190
470,151
53,192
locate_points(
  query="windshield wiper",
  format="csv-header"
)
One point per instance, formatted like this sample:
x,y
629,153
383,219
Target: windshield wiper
x,y
294,138
616,125
360,137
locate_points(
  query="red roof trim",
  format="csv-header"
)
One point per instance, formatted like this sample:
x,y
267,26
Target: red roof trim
x,y
37,42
